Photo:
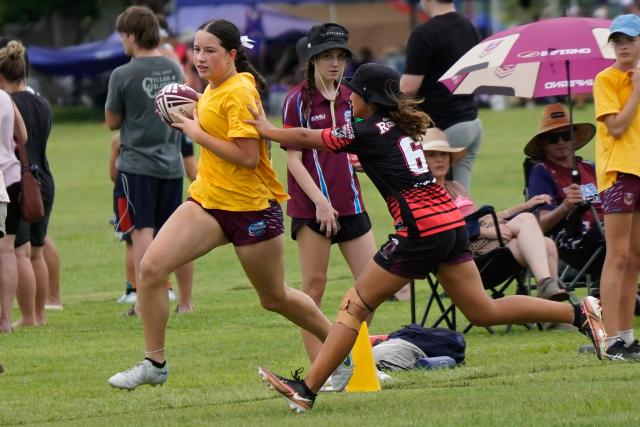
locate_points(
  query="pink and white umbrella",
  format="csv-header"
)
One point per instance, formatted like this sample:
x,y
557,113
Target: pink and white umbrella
x,y
556,56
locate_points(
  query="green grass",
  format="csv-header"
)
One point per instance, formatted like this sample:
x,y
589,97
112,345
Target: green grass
x,y
56,375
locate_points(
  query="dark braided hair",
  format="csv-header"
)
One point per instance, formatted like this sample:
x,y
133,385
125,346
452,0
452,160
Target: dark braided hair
x,y
229,37
309,87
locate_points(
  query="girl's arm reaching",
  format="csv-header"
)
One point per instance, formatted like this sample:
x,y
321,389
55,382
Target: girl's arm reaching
x,y
301,137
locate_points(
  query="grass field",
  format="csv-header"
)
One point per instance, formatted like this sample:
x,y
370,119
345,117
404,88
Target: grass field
x,y
56,375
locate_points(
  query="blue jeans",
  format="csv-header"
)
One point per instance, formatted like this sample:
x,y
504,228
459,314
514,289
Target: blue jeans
x,y
467,135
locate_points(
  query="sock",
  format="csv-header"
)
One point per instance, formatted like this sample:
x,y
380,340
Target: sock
x,y
577,316
156,364
129,287
627,336
611,340
307,389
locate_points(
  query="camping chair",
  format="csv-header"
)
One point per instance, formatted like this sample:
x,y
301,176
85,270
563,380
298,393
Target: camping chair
x,y
496,273
587,273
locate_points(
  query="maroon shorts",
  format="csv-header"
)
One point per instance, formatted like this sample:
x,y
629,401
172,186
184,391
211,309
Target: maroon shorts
x,y
623,196
248,227
416,258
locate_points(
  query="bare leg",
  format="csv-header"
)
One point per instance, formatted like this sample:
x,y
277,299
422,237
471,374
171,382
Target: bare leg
x,y
8,280
141,240
313,252
463,285
263,264
374,286
617,227
42,282
129,264
184,277
52,258
26,290
630,279
189,233
529,247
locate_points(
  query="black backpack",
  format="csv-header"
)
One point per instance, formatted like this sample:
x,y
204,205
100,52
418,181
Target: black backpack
x,y
434,341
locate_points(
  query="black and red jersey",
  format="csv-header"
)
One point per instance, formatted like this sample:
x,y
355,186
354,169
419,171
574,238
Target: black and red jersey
x,y
396,165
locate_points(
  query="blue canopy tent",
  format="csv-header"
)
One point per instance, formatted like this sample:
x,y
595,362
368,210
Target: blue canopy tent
x,y
96,57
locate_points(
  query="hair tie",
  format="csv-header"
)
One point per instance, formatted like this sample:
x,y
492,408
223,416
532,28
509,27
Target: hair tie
x,y
247,42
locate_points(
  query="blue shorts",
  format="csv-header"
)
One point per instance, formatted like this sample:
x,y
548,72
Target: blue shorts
x,y
141,201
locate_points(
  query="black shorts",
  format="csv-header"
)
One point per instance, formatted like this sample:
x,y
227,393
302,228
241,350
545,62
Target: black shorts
x,y
36,232
141,201
415,258
186,145
349,227
13,209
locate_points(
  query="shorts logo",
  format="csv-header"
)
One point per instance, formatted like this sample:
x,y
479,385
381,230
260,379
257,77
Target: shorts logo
x,y
389,248
628,199
257,229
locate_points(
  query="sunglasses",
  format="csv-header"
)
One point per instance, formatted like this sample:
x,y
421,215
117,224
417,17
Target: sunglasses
x,y
555,137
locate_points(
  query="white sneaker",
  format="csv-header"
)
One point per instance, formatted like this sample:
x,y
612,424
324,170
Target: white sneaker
x,y
338,381
383,376
143,373
172,295
128,298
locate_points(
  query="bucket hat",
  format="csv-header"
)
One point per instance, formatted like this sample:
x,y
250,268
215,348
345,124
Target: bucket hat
x,y
436,140
554,116
302,50
375,83
327,36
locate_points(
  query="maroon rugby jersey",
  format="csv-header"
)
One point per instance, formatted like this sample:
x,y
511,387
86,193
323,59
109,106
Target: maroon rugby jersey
x,y
332,172
396,165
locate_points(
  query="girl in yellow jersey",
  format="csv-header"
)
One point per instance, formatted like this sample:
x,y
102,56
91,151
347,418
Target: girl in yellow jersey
x,y
234,199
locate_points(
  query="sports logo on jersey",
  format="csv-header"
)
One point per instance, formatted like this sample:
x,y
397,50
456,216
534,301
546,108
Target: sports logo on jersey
x,y
257,229
385,126
343,132
318,117
389,248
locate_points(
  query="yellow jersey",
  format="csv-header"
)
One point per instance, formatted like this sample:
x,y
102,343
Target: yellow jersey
x,y
611,91
221,184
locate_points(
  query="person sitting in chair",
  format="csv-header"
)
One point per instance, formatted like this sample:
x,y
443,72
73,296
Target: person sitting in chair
x,y
567,219
518,227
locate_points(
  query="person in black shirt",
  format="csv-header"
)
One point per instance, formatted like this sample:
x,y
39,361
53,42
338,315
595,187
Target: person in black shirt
x,y
432,49
430,233
33,275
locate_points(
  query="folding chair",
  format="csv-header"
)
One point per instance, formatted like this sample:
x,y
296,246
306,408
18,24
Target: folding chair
x,y
498,270
587,273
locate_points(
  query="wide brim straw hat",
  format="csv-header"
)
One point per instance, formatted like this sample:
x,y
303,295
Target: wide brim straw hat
x,y
436,140
554,116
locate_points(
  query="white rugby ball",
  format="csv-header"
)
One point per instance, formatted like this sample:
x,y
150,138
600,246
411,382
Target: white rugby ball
x,y
175,98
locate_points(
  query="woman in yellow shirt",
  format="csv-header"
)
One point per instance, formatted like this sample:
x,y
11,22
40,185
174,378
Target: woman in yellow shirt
x,y
234,199
616,93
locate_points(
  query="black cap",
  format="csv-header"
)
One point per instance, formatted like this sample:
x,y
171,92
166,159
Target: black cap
x,y
375,83
327,36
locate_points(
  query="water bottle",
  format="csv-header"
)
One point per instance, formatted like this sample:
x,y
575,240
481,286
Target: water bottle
x,y
439,362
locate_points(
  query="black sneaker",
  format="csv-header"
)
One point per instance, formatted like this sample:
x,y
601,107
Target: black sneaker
x,y
298,395
590,324
619,351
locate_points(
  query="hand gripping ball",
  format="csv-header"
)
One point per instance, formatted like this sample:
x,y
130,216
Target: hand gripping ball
x,y
175,98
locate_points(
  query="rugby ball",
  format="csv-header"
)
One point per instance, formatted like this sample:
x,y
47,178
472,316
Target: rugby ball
x,y
175,98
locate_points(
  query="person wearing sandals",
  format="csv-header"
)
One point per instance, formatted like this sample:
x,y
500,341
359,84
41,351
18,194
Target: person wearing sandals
x,y
518,226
